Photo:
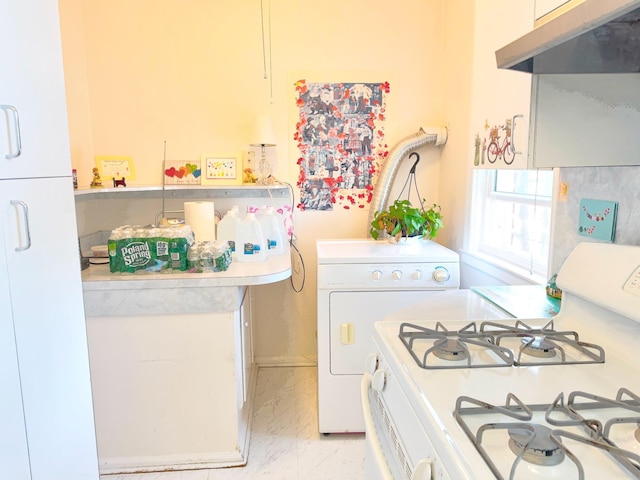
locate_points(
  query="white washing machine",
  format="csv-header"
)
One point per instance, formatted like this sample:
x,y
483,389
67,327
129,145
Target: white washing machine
x,y
361,281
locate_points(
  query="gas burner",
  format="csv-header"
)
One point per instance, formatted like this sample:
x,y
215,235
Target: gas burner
x,y
538,346
557,434
439,348
535,444
450,349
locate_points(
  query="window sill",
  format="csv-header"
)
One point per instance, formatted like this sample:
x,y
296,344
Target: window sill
x,y
503,271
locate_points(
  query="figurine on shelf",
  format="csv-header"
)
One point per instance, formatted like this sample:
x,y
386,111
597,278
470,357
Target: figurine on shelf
x,y
248,176
119,183
97,182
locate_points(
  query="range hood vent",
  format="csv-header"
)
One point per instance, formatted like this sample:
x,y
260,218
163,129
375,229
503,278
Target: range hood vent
x,y
595,36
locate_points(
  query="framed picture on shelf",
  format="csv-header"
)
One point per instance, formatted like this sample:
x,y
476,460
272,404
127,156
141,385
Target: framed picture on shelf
x,y
115,167
220,169
182,172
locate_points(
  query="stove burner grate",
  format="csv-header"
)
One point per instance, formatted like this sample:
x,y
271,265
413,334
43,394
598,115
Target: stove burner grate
x,y
541,445
548,345
454,347
493,344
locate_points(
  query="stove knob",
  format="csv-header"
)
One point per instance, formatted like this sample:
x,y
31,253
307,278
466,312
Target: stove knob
x,y
371,363
376,275
441,275
417,275
423,470
396,274
379,380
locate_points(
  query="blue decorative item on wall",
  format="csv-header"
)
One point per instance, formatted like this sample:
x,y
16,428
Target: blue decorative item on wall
x,y
598,219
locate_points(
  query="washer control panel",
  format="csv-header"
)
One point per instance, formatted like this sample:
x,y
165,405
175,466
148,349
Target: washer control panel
x,y
389,276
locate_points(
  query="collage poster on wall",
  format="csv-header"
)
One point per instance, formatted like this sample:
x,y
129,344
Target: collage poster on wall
x,y
340,135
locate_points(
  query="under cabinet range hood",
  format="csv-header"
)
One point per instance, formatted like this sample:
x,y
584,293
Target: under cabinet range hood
x,y
595,36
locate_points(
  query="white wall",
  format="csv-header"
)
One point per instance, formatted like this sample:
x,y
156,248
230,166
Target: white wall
x,y
191,73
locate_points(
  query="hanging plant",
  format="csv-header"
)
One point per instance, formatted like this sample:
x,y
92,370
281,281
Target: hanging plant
x,y
402,219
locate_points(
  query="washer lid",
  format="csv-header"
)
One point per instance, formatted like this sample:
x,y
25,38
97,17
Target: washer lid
x,y
367,250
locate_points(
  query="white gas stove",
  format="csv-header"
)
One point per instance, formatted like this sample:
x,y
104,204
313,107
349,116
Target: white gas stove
x,y
514,400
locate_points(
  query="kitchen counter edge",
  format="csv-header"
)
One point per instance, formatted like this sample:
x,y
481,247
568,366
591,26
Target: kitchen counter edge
x,y
272,270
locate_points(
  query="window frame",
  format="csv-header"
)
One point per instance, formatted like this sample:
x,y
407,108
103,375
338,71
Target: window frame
x,y
483,193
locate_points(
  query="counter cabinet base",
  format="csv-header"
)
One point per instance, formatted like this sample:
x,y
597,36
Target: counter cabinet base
x,y
166,390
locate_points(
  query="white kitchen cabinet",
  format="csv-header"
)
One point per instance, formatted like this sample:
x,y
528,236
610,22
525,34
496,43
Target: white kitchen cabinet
x,y
14,459
173,374
32,91
42,303
585,120
46,408
500,98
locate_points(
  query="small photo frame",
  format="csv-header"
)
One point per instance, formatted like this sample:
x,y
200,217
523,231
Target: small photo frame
x,y
220,169
182,172
115,167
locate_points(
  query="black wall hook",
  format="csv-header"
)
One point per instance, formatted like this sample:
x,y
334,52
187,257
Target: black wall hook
x,y
413,169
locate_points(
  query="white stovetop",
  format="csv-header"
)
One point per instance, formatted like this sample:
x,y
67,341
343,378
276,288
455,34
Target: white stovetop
x,y
433,393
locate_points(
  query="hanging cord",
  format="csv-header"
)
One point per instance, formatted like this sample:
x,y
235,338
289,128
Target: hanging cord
x,y
264,51
270,60
264,48
411,178
302,271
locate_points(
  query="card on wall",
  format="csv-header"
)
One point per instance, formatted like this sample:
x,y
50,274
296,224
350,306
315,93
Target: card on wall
x,y
597,219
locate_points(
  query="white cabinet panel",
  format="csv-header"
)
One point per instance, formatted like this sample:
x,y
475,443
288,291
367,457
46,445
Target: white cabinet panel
x,y
14,461
32,83
38,218
586,120
500,98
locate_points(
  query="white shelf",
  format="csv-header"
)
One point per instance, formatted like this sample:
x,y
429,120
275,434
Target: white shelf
x,y
184,191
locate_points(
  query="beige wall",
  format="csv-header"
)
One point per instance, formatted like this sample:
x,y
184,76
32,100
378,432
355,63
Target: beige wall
x,y
191,73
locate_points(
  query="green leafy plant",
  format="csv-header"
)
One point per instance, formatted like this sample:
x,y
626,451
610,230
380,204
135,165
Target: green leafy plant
x,y
402,219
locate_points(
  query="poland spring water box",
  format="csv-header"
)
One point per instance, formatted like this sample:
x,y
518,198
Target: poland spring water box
x,y
149,249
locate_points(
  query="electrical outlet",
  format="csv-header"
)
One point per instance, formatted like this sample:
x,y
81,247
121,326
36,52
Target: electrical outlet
x,y
563,191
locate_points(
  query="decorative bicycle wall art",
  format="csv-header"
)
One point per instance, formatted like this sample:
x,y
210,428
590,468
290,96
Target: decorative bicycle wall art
x,y
498,148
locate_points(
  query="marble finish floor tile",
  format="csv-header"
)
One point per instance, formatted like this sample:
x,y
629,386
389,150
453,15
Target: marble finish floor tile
x,y
285,443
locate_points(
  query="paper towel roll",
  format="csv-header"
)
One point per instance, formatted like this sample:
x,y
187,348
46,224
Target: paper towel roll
x,y
202,219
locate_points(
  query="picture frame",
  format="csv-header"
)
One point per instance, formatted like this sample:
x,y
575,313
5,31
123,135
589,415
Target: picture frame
x,y
220,169
182,172
118,167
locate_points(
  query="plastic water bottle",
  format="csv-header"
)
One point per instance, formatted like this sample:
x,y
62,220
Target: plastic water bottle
x,y
250,241
227,229
273,232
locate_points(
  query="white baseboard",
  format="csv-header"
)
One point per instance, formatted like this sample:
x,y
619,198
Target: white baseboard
x,y
168,463
286,361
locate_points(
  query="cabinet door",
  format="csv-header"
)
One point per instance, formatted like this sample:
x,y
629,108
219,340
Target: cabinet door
x,y
41,246
14,459
500,98
34,139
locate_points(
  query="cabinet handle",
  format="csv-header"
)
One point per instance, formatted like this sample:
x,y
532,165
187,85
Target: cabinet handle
x,y
513,133
25,215
16,127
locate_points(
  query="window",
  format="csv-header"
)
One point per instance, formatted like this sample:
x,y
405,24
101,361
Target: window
x,y
511,217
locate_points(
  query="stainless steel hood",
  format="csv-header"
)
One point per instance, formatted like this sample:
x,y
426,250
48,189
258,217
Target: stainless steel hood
x,y
596,36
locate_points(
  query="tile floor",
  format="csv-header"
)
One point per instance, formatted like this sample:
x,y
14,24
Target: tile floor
x,y
285,443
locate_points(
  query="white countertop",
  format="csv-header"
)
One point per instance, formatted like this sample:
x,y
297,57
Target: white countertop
x,y
274,269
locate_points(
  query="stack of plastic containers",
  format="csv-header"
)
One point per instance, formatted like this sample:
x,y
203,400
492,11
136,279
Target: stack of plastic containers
x,y
273,230
250,240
